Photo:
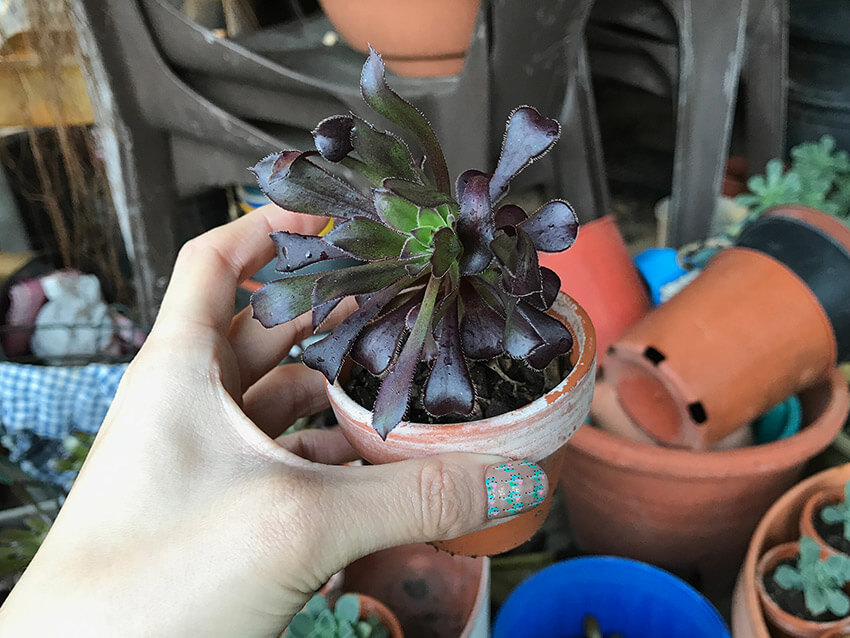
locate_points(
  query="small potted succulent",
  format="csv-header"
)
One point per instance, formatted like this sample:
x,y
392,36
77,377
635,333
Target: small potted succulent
x,y
353,616
803,591
826,518
458,328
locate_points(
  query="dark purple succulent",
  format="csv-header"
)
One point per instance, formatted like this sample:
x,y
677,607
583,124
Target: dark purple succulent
x,y
438,279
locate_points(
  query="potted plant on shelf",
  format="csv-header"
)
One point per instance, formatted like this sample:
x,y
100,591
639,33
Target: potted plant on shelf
x,y
826,519
457,325
353,616
802,592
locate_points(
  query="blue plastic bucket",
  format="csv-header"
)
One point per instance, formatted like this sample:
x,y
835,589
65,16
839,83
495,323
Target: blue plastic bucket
x,y
625,596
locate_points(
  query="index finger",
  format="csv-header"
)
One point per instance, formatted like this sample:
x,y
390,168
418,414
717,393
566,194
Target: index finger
x,y
210,267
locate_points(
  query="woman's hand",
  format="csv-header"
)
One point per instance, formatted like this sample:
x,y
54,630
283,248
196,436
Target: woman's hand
x,y
190,517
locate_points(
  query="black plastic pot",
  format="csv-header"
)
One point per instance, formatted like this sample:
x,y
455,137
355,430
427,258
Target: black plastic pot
x,y
821,260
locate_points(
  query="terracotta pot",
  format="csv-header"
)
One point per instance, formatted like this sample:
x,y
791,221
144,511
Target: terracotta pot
x,y
537,432
432,593
599,274
414,38
784,622
781,524
836,633
735,177
814,504
741,337
369,606
688,510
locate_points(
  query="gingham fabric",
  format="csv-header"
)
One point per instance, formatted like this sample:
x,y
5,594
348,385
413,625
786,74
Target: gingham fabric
x,y
41,405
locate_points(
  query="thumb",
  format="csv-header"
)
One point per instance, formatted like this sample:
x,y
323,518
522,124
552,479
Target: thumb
x,y
429,499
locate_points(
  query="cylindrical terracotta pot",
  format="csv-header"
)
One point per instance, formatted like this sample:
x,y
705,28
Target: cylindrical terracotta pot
x,y
781,524
785,623
836,633
741,337
432,593
599,274
413,37
688,510
537,432
815,503
735,177
369,606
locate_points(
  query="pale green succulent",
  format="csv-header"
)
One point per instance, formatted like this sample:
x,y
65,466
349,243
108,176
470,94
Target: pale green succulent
x,y
317,620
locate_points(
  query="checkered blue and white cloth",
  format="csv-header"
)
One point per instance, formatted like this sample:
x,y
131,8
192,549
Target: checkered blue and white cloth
x,y
41,405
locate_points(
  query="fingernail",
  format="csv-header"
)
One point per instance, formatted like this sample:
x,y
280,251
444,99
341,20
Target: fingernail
x,y
514,487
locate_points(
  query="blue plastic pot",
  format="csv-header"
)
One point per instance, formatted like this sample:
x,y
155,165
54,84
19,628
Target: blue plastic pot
x,y
658,267
780,422
625,596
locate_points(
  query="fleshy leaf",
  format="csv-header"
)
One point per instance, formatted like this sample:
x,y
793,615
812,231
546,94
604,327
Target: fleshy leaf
x,y
482,328
379,341
424,236
293,182
510,215
558,339
357,280
347,608
333,137
394,394
413,191
446,249
553,227
382,151
395,210
429,217
521,339
384,100
551,287
283,300
366,239
475,223
528,136
520,269
449,388
412,248
295,251
327,355
321,312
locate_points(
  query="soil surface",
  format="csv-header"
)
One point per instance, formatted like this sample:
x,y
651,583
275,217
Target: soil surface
x,y
791,600
832,533
501,385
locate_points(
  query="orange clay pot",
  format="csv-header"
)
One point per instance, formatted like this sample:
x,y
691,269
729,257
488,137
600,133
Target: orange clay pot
x,y
746,334
735,177
812,508
413,37
784,623
687,510
836,633
781,524
537,432
369,606
599,274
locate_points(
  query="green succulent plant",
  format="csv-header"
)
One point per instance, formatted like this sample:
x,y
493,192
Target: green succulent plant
x,y
317,620
821,581
440,278
839,513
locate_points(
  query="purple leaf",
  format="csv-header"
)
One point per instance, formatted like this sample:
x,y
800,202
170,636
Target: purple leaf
x,y
295,251
356,280
283,300
396,210
446,249
528,136
292,182
557,339
327,355
383,152
333,137
520,269
481,327
379,341
449,389
520,336
394,394
553,227
366,239
420,194
321,312
510,215
551,287
475,222
384,100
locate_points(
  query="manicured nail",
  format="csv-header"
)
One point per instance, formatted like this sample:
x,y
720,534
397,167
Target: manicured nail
x,y
514,487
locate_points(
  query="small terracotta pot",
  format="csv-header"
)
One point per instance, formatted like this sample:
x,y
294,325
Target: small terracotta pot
x,y
836,633
660,505
780,524
812,508
414,38
599,274
537,432
741,337
784,622
369,606
735,177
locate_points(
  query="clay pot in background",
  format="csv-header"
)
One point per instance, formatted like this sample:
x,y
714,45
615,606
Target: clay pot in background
x,y
432,593
537,432
814,504
414,38
735,177
741,337
688,510
599,274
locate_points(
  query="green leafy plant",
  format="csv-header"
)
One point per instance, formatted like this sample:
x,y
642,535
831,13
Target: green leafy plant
x,y
819,177
440,278
317,620
821,581
840,512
